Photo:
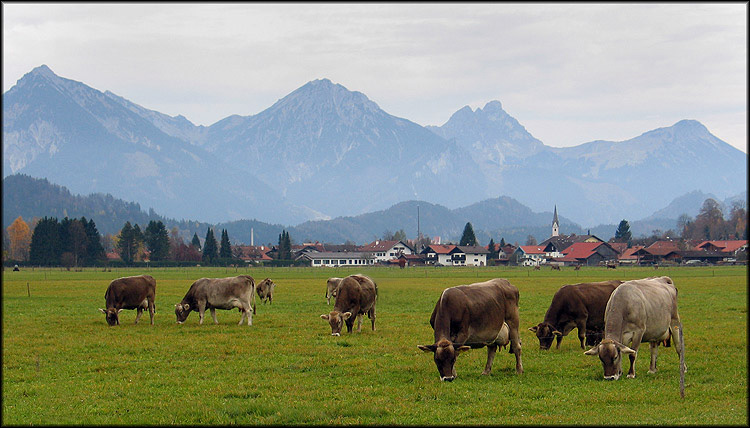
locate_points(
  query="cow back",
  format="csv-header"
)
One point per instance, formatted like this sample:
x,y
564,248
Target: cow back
x,y
130,291
587,300
218,292
356,294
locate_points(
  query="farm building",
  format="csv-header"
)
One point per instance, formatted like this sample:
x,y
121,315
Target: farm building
x,y
336,259
383,251
587,253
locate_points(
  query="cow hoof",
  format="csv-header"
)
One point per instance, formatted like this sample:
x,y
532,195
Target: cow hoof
x,y
631,376
652,371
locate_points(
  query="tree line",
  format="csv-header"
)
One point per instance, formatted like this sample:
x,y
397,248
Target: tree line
x,y
77,242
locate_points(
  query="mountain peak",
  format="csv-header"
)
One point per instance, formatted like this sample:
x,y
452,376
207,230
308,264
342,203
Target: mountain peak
x,y
42,70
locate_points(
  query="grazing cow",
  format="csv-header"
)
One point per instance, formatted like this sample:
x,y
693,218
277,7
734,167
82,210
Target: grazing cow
x,y
537,267
331,286
555,267
576,306
642,310
130,292
219,293
474,316
611,265
356,296
265,290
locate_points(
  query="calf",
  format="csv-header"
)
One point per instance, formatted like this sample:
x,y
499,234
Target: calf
x,y
265,290
219,293
475,316
643,310
332,286
131,292
356,296
575,306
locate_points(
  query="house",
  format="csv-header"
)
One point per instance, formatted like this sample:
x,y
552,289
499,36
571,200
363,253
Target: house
x,y
628,256
337,259
731,248
555,245
438,255
382,251
530,255
253,253
411,260
464,255
587,253
660,251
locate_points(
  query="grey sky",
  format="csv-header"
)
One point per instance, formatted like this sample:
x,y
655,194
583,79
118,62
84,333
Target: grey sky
x,y
570,73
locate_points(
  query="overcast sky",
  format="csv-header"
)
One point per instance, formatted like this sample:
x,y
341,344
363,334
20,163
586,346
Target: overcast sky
x,y
569,73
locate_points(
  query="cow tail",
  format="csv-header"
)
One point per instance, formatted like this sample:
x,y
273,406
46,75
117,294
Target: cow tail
x,y
682,361
253,294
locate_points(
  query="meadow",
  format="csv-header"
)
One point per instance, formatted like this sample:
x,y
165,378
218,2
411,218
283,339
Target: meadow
x,y
62,364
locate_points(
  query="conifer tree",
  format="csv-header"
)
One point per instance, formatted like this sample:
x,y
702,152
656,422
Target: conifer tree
x,y
622,234
491,248
196,242
127,244
210,250
45,249
468,237
225,248
157,240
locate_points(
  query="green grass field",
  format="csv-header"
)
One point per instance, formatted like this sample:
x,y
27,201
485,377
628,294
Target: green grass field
x,y
62,364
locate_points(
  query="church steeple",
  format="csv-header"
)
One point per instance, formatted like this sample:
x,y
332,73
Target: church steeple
x,y
555,224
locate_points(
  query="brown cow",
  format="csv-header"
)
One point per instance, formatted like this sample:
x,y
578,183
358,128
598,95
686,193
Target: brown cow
x,y
131,292
554,267
219,293
356,296
474,316
576,306
265,290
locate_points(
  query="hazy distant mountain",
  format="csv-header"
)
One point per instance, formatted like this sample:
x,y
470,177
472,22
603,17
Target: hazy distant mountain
x,y
337,152
324,152
600,181
94,142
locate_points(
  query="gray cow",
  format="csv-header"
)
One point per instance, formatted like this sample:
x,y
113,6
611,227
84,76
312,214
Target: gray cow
x,y
356,296
642,310
265,290
219,293
332,285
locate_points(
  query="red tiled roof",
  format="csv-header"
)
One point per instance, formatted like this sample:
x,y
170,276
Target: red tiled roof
x,y
662,248
580,250
620,247
532,249
378,246
725,246
441,249
629,253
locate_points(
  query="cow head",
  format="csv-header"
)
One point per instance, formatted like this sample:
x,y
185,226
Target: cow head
x,y
545,332
181,310
610,352
112,315
445,357
336,320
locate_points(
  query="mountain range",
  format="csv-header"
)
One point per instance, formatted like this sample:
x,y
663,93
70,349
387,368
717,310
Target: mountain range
x,y
325,152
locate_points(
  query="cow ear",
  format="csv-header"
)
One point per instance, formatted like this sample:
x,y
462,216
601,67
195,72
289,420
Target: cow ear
x,y
185,307
119,310
534,329
102,311
346,315
557,333
592,351
428,348
625,350
324,316
463,349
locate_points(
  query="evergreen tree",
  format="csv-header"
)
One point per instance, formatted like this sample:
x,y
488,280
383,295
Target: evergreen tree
x,y
210,250
78,241
284,249
622,234
225,248
157,240
468,238
492,250
94,248
127,245
45,249
502,242
196,242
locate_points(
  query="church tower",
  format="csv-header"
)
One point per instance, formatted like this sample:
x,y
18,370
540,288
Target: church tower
x,y
555,224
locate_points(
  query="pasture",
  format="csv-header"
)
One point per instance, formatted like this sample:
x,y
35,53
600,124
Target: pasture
x,y
62,364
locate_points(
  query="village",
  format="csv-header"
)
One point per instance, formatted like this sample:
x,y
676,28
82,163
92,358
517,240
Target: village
x,y
556,251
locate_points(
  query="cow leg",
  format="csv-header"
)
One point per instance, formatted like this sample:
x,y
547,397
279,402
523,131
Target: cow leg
x,y
654,348
371,315
491,350
359,323
515,340
581,325
201,312
213,315
558,339
138,314
635,345
151,310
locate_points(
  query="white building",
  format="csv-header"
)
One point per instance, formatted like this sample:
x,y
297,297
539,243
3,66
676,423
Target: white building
x,y
338,259
382,251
